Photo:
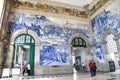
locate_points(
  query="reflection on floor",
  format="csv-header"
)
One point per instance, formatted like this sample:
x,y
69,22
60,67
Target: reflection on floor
x,y
75,76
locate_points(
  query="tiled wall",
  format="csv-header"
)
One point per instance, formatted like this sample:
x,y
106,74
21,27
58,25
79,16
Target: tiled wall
x,y
108,19
50,33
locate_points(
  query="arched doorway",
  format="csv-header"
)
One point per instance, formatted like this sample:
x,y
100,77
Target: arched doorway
x,y
112,50
111,46
78,46
24,51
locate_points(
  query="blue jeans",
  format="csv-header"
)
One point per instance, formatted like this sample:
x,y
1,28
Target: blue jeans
x,y
92,71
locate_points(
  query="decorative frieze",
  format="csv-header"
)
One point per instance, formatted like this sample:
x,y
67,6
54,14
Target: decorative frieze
x,y
59,9
51,9
97,6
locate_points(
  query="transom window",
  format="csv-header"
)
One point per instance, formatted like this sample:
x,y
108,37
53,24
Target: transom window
x,y
24,38
78,42
111,46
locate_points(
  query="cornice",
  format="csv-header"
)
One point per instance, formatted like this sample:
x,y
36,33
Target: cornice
x,y
47,14
102,8
61,8
65,5
51,9
97,6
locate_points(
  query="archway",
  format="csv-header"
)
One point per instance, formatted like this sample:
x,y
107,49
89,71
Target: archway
x,y
12,46
24,52
79,50
111,48
79,46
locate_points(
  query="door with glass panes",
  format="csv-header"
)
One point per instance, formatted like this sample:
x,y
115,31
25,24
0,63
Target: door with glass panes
x,y
24,51
77,43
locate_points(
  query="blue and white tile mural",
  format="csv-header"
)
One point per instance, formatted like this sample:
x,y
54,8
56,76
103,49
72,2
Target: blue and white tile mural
x,y
48,31
104,21
54,55
99,53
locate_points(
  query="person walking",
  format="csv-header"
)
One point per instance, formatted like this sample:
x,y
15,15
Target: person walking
x,y
28,67
83,67
23,70
119,62
94,70
91,66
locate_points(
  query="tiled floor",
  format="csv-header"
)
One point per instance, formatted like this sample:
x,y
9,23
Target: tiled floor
x,y
78,76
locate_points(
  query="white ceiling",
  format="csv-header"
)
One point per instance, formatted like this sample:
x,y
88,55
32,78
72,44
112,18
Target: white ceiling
x,y
75,2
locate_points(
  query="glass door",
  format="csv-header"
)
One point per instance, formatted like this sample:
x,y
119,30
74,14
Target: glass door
x,y
78,63
24,50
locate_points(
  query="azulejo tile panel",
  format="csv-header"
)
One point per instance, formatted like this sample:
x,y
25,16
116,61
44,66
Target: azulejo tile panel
x,y
104,21
54,55
100,53
48,31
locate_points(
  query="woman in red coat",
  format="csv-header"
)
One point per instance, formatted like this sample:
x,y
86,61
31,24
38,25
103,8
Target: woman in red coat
x,y
91,66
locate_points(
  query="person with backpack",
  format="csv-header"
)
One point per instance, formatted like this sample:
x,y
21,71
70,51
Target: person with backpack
x,y
91,66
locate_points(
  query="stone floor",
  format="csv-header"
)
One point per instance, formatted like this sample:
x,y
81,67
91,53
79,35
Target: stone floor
x,y
75,76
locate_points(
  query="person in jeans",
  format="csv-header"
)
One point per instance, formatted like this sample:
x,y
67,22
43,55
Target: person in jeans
x,y
95,67
91,66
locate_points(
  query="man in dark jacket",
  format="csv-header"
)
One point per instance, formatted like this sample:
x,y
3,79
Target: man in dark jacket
x,y
95,67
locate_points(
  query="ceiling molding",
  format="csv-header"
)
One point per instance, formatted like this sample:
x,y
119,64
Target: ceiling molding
x,y
51,9
60,8
97,6
79,3
38,12
102,8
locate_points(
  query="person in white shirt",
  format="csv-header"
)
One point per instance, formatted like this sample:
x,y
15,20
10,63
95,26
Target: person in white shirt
x,y
83,67
28,67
